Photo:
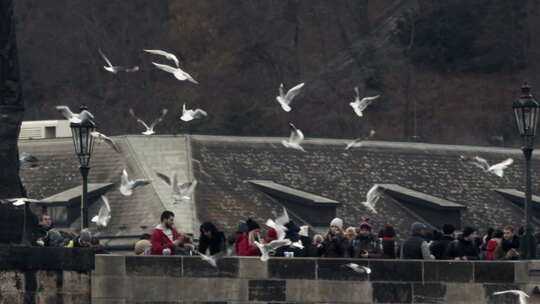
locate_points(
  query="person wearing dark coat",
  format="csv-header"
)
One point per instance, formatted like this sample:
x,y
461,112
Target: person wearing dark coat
x,y
416,247
438,247
389,247
292,234
211,239
333,245
366,245
465,247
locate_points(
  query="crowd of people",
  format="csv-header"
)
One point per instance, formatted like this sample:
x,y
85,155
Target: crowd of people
x,y
352,242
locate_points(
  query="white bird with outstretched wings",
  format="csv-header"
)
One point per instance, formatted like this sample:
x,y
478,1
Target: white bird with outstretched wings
x,y
104,215
188,115
497,169
76,118
285,99
295,139
359,105
177,72
115,69
149,129
167,55
102,137
127,186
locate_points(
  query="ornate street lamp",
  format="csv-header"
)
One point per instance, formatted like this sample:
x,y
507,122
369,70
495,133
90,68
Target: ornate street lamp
x,y
526,114
84,145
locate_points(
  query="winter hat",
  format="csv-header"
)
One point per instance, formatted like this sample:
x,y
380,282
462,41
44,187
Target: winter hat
x,y
86,235
252,225
141,246
448,229
468,231
242,227
388,231
337,222
292,227
418,226
366,224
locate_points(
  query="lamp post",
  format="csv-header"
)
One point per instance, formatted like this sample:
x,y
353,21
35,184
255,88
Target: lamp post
x,y
526,114
84,145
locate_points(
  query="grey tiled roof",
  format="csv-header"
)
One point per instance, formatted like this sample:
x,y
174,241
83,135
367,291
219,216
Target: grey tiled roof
x,y
225,163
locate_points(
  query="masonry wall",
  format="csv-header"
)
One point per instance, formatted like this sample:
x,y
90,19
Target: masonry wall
x,y
133,279
45,275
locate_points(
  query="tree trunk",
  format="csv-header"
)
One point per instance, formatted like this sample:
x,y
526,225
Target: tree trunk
x,y
11,105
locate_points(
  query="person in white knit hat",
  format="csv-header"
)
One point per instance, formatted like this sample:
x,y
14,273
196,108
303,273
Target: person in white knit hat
x,y
334,241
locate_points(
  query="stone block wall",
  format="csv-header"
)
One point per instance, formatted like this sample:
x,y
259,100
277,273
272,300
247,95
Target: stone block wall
x,y
45,275
153,279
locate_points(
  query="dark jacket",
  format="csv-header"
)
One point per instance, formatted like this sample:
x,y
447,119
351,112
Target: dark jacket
x,y
438,248
311,250
334,246
367,244
291,234
412,247
460,248
216,243
389,248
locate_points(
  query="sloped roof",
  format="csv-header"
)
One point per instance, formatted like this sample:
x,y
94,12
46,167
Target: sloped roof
x,y
225,163
418,197
73,195
283,191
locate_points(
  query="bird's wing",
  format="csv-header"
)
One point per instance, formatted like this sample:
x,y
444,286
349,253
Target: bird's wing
x,y
281,91
371,133
138,119
353,143
498,169
280,229
297,136
111,143
373,194
273,245
141,182
124,180
106,203
516,292
65,111
164,178
166,68
480,162
159,52
283,219
357,96
187,188
159,119
293,92
198,113
105,57
369,99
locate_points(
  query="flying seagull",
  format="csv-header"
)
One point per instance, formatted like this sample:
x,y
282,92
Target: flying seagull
x,y
358,268
280,229
522,295
273,245
295,139
211,259
21,201
358,142
115,69
179,191
177,72
285,99
188,115
372,196
360,105
127,186
104,215
102,137
76,118
497,169
149,130
167,55
28,158
283,219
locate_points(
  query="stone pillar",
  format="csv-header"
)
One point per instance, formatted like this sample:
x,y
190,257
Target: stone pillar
x,y
11,105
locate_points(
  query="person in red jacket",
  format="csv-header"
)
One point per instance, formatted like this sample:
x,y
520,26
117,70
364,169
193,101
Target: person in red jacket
x,y
165,237
246,245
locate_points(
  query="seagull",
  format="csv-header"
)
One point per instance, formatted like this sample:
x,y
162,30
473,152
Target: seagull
x,y
180,191
497,169
211,259
188,115
104,215
358,268
127,186
283,219
116,69
149,130
28,158
372,196
358,142
177,72
76,118
285,99
167,55
522,295
360,105
273,245
21,201
295,139
102,137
